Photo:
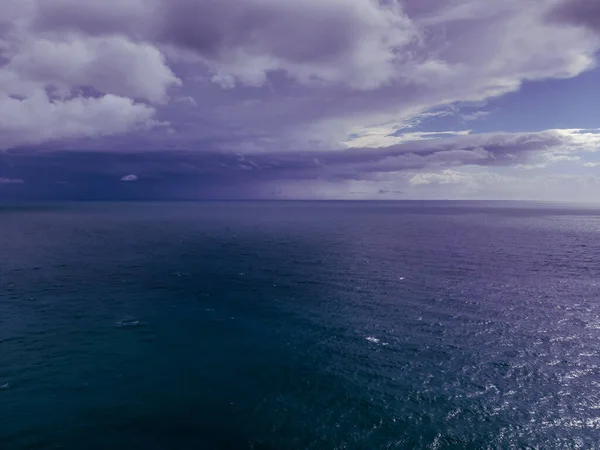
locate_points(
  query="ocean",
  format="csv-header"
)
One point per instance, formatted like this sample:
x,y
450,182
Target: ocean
x,y
299,325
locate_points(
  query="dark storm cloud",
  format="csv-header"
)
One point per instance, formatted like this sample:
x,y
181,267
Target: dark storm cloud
x,y
192,174
579,12
335,40
285,29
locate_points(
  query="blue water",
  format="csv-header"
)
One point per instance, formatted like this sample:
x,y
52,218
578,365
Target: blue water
x,y
299,326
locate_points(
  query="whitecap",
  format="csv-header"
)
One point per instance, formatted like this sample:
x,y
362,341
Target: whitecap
x,y
128,323
372,339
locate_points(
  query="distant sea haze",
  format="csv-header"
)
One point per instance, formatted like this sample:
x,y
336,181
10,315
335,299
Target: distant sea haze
x,y
299,325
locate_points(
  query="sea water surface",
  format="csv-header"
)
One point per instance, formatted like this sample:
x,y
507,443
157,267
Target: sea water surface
x,y
299,325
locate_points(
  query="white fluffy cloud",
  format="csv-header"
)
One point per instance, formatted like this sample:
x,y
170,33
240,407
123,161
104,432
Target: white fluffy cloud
x,y
64,85
36,118
110,64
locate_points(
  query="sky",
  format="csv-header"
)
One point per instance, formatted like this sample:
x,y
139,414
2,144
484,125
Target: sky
x,y
311,99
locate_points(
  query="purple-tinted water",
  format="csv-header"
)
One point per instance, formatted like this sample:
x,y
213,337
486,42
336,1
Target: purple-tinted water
x,y
299,325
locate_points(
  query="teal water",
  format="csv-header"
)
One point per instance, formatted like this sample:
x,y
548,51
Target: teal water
x,y
299,326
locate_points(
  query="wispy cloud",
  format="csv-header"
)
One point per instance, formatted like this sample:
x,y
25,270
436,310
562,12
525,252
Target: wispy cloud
x,y
10,181
477,115
376,137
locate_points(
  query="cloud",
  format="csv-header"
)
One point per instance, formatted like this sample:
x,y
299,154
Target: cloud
x,y
10,181
271,75
443,177
385,137
248,94
38,118
487,184
111,64
578,12
129,178
463,166
477,115
456,149
443,52
244,40
57,85
493,150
